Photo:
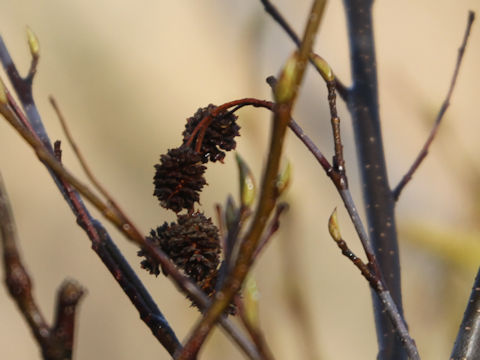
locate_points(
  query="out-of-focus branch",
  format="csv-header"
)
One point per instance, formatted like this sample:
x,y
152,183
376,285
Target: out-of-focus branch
x,y
377,284
33,131
467,344
101,241
286,93
295,294
337,174
68,297
443,109
272,228
79,155
280,20
23,86
254,331
56,342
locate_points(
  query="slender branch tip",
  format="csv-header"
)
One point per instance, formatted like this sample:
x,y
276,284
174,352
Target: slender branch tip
x,y
33,43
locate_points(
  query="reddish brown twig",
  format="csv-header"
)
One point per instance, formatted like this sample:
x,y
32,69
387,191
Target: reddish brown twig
x,y
280,20
375,280
202,126
338,177
338,161
271,228
254,331
446,103
56,342
285,95
33,131
81,158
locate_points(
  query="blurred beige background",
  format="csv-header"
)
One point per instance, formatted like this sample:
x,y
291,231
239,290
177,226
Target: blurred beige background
x,y
127,74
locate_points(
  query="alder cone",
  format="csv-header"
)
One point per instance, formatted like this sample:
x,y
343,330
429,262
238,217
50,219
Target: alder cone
x,y
219,135
179,179
192,243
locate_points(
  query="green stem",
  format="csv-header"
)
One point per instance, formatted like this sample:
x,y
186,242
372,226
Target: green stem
x,y
285,92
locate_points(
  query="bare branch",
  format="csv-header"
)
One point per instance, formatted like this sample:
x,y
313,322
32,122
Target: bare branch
x,y
23,88
280,20
101,240
78,153
285,96
443,109
272,228
57,342
254,331
377,284
68,296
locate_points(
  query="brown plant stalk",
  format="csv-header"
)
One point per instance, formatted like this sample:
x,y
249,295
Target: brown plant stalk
x,y
285,94
40,144
56,341
441,113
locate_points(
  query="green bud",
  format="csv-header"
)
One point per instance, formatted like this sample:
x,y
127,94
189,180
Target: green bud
x,y
333,226
325,69
33,43
283,180
286,87
247,182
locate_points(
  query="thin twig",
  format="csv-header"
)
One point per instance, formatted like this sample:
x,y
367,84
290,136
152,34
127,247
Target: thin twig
x,y
340,183
254,331
446,103
23,88
292,265
278,18
56,342
182,281
78,153
285,94
34,134
298,131
103,245
378,286
338,160
272,228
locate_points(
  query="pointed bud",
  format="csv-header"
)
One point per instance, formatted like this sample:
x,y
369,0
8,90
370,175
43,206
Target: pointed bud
x,y
286,87
230,213
247,182
251,296
283,180
325,69
33,43
333,226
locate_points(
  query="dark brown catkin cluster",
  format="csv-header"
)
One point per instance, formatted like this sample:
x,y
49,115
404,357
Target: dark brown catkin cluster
x,y
193,245
220,134
179,179
192,242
